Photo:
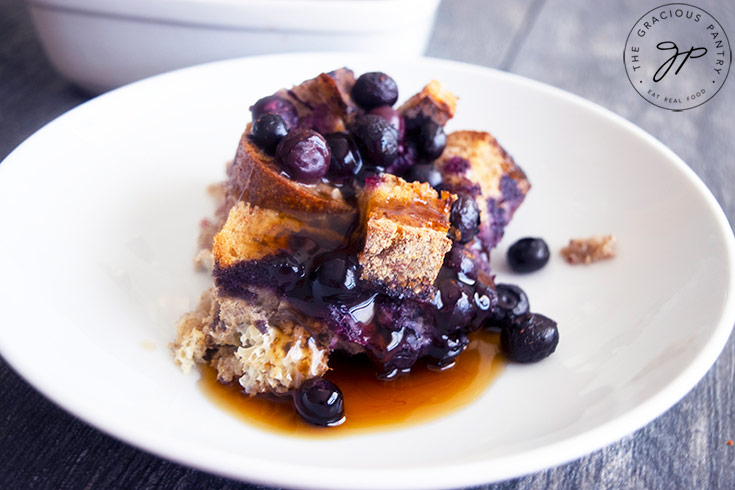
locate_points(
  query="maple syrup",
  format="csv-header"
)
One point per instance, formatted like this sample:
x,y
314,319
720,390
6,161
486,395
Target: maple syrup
x,y
372,404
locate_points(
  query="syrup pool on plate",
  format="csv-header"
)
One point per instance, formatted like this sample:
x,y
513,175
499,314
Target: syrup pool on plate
x,y
372,404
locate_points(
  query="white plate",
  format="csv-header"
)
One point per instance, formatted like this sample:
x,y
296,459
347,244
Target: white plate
x,y
99,212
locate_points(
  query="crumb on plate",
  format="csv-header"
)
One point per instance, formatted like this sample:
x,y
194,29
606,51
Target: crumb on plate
x,y
588,250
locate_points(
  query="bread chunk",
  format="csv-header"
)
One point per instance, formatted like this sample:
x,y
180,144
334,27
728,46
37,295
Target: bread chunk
x,y
433,102
252,232
324,103
474,163
406,227
589,250
254,342
257,178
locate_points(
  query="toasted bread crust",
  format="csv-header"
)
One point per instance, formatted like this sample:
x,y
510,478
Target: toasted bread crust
x,y
256,178
433,102
406,227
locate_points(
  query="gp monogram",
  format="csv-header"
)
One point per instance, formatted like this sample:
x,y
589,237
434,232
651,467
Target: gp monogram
x,y
677,56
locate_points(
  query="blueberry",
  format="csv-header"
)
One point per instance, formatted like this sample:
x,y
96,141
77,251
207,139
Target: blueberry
x,y
336,279
457,304
424,172
443,351
528,255
391,116
431,140
377,140
485,300
284,271
512,303
346,160
319,402
305,155
268,130
274,104
529,338
462,262
374,89
465,217
407,157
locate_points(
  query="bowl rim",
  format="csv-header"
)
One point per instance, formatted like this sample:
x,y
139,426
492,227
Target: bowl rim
x,y
267,15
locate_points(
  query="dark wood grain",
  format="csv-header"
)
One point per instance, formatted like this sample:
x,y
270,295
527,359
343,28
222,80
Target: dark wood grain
x,y
42,447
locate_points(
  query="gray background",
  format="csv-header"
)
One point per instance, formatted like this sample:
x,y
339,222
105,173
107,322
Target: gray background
x,y
576,46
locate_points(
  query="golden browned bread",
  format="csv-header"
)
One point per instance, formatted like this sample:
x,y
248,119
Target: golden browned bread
x,y
473,162
488,161
405,226
255,177
433,102
252,232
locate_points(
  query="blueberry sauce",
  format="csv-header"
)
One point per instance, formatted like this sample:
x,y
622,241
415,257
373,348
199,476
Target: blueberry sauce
x,y
322,280
320,277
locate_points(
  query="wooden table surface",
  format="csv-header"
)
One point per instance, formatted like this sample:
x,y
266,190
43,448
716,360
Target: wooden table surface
x,y
576,46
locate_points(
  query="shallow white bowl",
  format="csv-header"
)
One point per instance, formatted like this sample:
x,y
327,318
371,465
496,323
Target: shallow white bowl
x,y
99,213
103,44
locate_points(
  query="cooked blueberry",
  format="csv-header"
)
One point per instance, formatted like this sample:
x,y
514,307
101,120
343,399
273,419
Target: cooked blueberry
x,y
465,217
346,160
374,89
443,351
284,271
486,301
424,172
528,254
391,116
335,279
268,130
377,140
400,353
457,304
407,157
431,140
462,262
483,300
529,338
512,303
319,402
304,154
274,104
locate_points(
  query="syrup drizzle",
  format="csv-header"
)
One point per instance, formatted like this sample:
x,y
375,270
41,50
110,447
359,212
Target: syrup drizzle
x,y
372,404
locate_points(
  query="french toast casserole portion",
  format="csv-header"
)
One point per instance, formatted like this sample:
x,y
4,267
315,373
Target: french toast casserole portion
x,y
347,225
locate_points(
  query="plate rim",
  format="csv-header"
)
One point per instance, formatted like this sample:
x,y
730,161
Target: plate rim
x,y
264,471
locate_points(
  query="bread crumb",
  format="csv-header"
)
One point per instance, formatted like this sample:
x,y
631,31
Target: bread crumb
x,y
588,250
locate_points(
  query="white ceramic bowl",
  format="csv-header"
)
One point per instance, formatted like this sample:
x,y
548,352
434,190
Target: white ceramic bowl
x,y
99,213
102,44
